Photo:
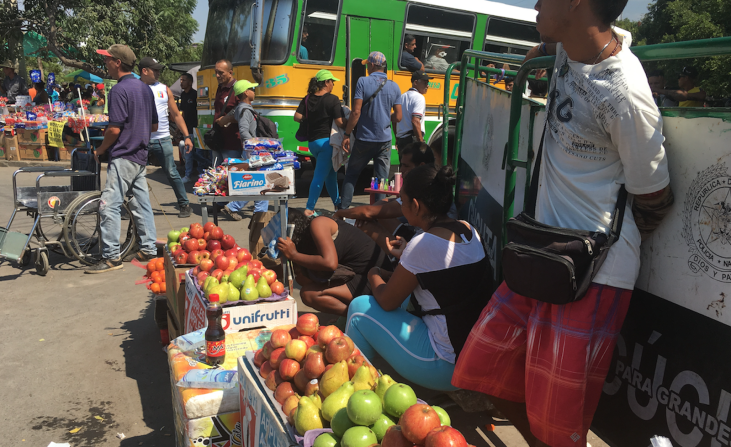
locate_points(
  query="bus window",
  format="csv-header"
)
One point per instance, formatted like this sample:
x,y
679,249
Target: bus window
x,y
441,35
230,25
510,37
319,31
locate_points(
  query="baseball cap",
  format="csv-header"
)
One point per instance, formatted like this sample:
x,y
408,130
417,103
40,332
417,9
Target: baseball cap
x,y
376,58
151,63
121,52
689,71
242,86
325,75
419,76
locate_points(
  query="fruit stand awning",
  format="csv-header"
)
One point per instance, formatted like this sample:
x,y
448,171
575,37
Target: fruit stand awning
x,y
81,76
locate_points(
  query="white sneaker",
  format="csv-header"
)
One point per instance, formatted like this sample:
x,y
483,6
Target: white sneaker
x,y
185,179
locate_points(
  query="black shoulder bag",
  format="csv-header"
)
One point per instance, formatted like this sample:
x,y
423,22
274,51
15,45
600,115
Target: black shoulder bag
x,y
214,137
551,264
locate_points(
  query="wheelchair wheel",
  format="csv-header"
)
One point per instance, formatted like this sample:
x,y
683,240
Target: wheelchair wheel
x,y
82,230
42,264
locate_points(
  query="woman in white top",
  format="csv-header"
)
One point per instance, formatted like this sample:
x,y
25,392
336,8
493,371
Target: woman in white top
x,y
445,271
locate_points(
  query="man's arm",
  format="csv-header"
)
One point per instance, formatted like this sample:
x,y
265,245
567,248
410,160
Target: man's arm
x,y
352,121
682,95
179,121
397,112
650,209
388,210
538,51
111,135
416,125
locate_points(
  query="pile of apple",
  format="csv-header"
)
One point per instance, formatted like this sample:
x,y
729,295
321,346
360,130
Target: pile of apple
x,y
321,380
192,245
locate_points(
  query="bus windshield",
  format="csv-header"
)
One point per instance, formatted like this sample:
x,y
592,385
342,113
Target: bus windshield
x,y
229,30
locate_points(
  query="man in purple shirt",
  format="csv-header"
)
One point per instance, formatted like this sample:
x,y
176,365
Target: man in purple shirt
x,y
132,117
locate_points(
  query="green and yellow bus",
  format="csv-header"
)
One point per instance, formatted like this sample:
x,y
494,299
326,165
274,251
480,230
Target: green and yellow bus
x,y
339,35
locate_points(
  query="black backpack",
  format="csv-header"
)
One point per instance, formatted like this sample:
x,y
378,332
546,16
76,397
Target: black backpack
x,y
264,126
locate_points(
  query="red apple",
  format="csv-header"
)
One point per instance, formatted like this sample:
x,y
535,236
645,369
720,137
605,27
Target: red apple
x,y
196,232
243,255
417,421
294,333
394,437
276,358
239,265
312,387
181,258
213,245
222,262
295,350
307,324
256,264
266,350
279,338
216,233
254,272
283,391
218,273
195,224
301,380
326,334
229,252
227,241
270,276
232,263
195,271
184,236
273,380
216,253
338,350
277,287
307,339
201,277
288,368
194,257
207,236
445,436
259,358
208,226
202,244
354,362
191,245
206,265
266,369
205,254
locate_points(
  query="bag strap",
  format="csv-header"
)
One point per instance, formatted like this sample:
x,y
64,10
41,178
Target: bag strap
x,y
374,93
615,226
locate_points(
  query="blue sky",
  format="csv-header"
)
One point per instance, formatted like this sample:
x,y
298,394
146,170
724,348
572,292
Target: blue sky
x,y
634,10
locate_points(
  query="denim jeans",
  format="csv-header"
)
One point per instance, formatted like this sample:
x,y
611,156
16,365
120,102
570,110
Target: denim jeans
x,y
198,157
362,153
162,149
259,205
324,173
126,177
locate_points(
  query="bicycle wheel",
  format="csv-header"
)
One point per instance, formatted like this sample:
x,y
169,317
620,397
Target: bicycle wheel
x,y
83,232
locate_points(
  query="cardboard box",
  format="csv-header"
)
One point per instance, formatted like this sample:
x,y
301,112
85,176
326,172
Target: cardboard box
x,y
173,327
260,425
35,136
175,287
254,183
32,152
12,150
237,318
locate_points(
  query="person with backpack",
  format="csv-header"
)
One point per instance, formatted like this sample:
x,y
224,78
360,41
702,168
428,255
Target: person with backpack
x,y
318,110
246,118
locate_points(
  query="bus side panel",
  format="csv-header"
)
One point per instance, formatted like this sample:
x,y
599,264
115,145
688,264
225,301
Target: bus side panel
x,y
480,194
671,373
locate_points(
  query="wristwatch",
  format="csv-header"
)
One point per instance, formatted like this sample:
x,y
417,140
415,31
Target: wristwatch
x,y
346,134
188,136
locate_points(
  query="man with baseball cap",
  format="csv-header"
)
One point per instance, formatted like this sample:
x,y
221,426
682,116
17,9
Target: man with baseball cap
x,y
413,105
132,118
375,96
13,85
688,94
161,145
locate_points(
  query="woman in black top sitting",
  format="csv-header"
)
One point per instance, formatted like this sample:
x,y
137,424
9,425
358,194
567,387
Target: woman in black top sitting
x,y
331,261
320,108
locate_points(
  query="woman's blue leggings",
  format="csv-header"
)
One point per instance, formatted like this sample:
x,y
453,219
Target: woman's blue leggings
x,y
401,339
324,173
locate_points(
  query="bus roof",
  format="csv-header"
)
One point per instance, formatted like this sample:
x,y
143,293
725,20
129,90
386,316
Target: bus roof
x,y
485,7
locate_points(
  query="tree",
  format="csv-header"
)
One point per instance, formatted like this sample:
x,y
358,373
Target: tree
x,y
189,54
682,20
75,29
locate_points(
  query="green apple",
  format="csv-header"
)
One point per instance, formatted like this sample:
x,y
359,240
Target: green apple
x,y
184,229
341,422
174,246
398,398
381,425
443,416
364,407
326,440
359,437
173,236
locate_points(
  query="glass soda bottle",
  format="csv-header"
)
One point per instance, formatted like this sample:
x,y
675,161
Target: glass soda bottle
x,y
215,337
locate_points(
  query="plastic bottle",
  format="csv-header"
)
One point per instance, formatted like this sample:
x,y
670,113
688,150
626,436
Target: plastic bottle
x,y
215,336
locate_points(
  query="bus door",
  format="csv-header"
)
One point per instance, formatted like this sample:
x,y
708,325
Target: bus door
x,y
364,35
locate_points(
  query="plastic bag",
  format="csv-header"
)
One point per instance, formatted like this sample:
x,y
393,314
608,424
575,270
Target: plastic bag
x,y
261,143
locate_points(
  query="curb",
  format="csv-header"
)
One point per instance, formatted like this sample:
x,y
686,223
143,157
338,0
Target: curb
x,y
26,163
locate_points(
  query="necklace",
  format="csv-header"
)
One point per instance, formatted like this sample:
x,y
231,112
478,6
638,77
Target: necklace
x,y
602,51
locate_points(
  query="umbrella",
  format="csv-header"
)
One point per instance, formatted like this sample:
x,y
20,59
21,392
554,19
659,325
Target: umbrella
x,y
82,77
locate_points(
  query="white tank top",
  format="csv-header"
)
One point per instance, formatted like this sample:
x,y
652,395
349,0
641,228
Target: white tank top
x,y
160,92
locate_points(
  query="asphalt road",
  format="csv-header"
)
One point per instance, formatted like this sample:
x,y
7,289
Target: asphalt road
x,y
83,351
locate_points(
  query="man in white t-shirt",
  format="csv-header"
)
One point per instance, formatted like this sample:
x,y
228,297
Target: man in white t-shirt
x,y
543,365
413,108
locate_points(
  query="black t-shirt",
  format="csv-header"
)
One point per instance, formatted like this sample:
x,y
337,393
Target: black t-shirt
x,y
409,62
320,113
189,109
